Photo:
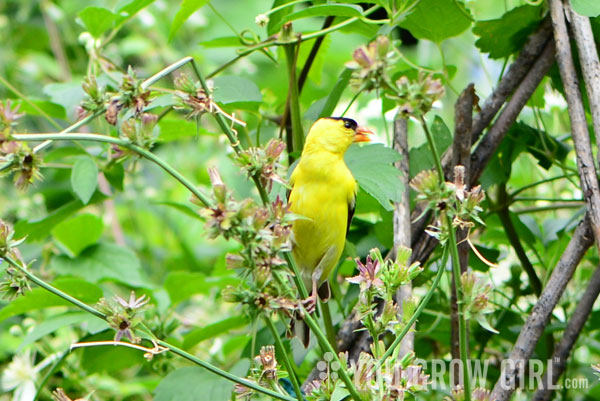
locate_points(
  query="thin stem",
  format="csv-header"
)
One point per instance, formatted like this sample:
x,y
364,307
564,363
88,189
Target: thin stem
x,y
172,348
29,102
434,151
544,181
291,53
120,142
286,361
462,326
224,373
328,323
297,276
418,311
53,289
326,347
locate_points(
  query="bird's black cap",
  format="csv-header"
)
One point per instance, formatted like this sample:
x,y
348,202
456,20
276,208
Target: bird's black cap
x,y
348,122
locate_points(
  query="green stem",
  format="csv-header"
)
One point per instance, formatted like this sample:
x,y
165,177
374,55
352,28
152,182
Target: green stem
x,y
286,361
174,349
462,324
29,102
326,347
120,142
434,151
418,311
297,277
223,373
293,96
544,181
328,323
53,289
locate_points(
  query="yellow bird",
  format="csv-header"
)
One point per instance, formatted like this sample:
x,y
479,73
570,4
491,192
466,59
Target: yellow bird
x,y
323,192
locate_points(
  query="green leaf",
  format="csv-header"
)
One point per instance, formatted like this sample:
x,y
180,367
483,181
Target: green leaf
x,y
186,9
437,20
182,285
84,178
587,8
102,262
325,107
544,147
115,175
51,324
39,229
185,209
483,322
78,233
127,9
421,157
505,36
66,94
50,108
97,20
213,330
177,129
40,298
372,168
275,19
236,91
340,392
193,383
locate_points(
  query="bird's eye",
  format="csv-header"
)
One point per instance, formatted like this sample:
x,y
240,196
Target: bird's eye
x,y
348,124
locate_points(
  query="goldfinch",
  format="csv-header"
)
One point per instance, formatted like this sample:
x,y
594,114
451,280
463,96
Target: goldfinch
x,y
323,193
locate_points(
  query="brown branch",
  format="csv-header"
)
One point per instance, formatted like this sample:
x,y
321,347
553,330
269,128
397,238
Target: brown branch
x,y
489,143
536,322
590,66
461,155
579,128
402,218
570,335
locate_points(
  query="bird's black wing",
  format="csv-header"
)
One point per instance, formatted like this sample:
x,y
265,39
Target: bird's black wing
x,y
351,207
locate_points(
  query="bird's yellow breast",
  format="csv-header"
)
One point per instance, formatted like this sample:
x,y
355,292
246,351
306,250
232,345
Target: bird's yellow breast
x,y
322,189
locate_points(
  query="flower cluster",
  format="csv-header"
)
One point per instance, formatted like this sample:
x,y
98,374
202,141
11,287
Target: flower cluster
x,y
192,97
393,381
450,198
478,394
15,282
416,98
123,315
264,372
370,64
96,97
131,95
140,131
380,278
16,157
263,163
476,303
263,232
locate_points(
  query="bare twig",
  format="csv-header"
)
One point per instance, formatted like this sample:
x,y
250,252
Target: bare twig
x,y
570,335
579,128
590,66
489,143
461,155
533,328
402,218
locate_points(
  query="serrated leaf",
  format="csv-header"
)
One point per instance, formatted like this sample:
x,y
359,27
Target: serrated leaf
x,y
40,298
505,36
372,168
97,20
186,9
78,233
192,383
212,330
235,91
587,8
437,20
103,262
84,178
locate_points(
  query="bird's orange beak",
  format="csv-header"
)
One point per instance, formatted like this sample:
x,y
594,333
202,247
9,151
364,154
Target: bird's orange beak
x,y
362,134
